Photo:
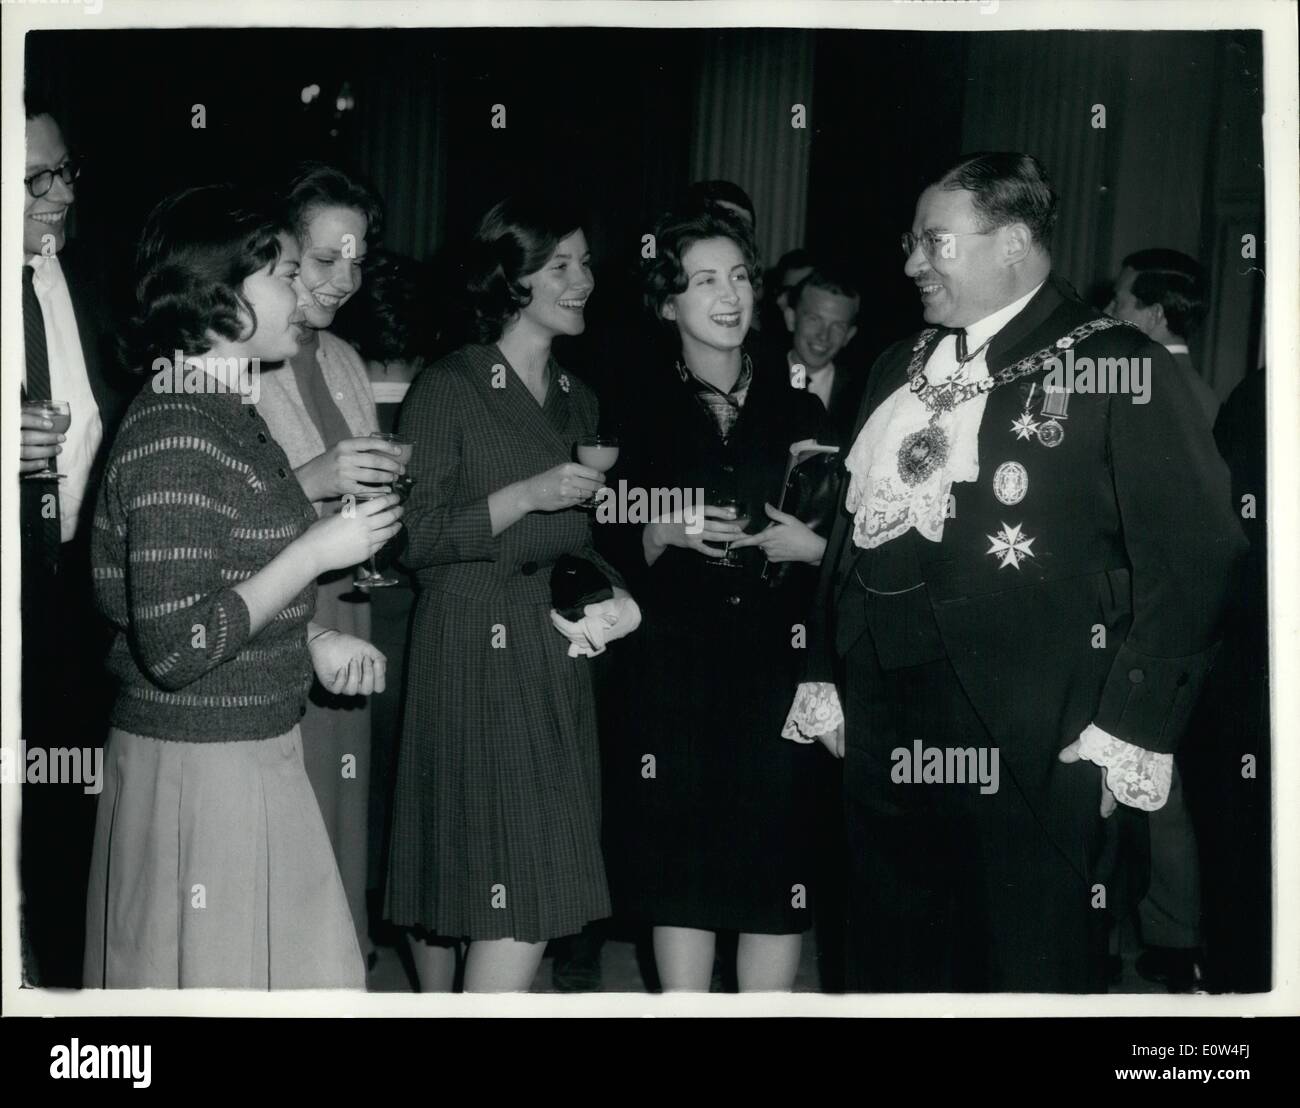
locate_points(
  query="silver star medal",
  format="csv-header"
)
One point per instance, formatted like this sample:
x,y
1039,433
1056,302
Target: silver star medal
x,y
1010,545
1026,427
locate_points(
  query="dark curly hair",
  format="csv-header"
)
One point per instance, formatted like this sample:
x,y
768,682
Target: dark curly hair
x,y
197,247
315,185
663,275
514,239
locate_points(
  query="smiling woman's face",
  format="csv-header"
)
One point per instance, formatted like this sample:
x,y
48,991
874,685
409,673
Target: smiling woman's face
x,y
560,288
333,251
718,304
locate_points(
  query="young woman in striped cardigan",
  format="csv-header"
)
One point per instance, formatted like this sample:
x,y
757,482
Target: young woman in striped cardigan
x,y
211,864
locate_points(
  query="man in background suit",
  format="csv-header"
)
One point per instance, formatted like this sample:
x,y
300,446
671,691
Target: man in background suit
x,y
821,316
1018,605
65,691
1162,292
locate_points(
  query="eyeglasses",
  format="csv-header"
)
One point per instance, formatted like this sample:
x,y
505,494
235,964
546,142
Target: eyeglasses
x,y
943,243
38,184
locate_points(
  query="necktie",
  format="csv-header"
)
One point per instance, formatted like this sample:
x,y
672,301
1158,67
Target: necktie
x,y
962,356
38,356
42,530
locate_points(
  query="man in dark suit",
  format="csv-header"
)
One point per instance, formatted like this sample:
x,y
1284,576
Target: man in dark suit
x,y
65,692
1018,605
821,316
1162,293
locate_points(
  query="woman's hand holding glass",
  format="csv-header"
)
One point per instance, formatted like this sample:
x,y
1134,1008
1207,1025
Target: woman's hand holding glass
x,y
351,466
347,665
354,533
786,539
561,487
708,534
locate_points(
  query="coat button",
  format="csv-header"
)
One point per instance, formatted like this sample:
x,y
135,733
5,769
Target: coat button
x,y
282,472
528,569
1136,676
261,436
252,412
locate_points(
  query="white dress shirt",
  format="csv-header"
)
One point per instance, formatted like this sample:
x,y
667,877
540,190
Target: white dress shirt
x,y
68,381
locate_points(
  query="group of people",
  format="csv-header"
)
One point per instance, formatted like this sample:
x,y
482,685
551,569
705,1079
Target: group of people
x,y
942,589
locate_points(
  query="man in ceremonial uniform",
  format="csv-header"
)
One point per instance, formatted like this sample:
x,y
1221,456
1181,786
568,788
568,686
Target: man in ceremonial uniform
x,y
1017,606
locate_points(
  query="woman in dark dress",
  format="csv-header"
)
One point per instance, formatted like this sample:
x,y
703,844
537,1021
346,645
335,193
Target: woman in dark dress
x,y
712,805
496,827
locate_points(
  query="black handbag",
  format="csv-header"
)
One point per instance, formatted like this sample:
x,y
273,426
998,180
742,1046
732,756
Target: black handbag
x,y
810,493
575,583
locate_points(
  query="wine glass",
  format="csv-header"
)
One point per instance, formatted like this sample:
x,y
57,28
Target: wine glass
x,y
600,452
60,414
368,574
730,500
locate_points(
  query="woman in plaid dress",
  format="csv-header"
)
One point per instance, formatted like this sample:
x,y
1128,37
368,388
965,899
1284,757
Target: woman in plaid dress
x,y
496,826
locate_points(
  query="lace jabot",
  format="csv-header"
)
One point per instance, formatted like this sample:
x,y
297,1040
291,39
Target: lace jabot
x,y
883,504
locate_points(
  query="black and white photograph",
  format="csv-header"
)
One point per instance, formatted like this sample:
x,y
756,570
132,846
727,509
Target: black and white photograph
x,y
685,509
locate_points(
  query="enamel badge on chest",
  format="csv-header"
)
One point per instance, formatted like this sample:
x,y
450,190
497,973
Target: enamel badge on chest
x,y
1010,483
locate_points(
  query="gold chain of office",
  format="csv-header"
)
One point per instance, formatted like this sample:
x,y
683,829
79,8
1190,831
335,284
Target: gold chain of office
x,y
945,397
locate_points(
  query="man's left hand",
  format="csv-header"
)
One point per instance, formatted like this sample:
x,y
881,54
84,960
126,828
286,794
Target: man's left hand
x,y
1108,801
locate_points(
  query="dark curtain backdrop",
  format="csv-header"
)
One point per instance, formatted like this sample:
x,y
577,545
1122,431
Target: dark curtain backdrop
x,y
621,119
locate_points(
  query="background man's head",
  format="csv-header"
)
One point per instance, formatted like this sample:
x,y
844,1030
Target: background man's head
x,y
980,237
822,317
793,267
1161,291
720,194
47,197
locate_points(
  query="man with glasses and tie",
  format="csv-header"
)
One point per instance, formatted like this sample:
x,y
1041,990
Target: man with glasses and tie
x,y
64,687
1017,607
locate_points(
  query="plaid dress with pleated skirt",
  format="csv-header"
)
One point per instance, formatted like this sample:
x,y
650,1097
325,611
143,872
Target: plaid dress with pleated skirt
x,y
496,824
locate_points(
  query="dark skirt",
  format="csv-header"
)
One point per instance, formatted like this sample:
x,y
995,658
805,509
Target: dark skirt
x,y
711,811
496,822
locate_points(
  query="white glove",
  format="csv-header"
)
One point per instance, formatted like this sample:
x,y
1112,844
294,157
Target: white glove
x,y
580,644
601,623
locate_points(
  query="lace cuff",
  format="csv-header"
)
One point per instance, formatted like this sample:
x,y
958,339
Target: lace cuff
x,y
816,710
1139,778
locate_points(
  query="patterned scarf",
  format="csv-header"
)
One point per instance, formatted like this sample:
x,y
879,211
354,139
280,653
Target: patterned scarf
x,y
723,407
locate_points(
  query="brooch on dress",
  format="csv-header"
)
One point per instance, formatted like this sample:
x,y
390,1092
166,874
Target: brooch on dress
x,y
563,381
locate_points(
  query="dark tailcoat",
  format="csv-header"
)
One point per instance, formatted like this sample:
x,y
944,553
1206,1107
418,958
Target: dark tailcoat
x,y
1113,616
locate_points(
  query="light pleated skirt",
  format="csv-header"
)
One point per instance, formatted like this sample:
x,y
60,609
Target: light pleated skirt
x,y
212,869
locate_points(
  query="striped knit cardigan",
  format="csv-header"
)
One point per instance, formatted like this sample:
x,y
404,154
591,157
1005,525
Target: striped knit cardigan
x,y
198,496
